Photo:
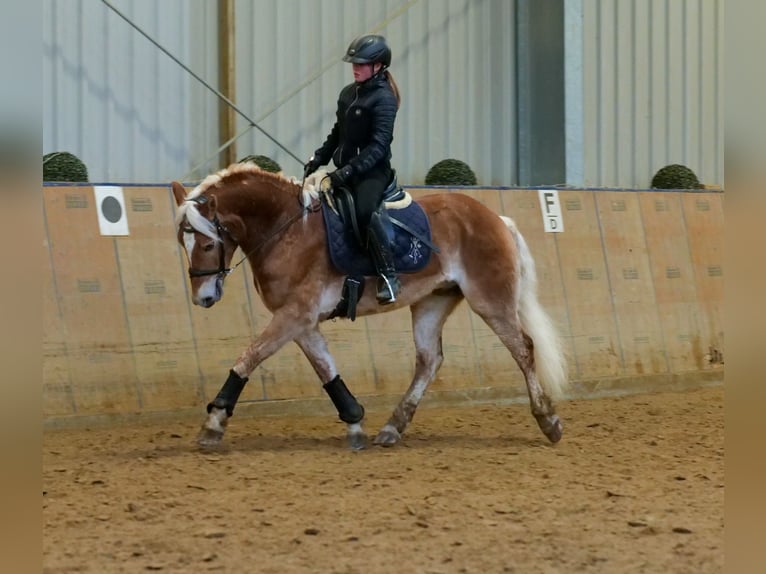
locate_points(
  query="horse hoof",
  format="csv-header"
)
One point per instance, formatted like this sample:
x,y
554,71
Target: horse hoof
x,y
388,436
553,429
208,438
357,441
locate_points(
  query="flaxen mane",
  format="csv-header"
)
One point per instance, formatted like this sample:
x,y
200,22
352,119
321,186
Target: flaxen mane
x,y
243,170
229,175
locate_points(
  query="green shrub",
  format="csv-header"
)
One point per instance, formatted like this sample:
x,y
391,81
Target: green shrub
x,y
265,163
675,176
450,172
64,166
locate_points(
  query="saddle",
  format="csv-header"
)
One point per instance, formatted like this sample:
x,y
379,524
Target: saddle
x,y
409,231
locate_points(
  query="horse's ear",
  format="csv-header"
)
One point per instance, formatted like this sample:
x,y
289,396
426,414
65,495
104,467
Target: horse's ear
x,y
179,192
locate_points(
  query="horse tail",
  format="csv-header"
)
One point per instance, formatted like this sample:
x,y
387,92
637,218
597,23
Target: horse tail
x,y
550,360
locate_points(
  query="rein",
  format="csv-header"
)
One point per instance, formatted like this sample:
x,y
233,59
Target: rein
x,y
220,229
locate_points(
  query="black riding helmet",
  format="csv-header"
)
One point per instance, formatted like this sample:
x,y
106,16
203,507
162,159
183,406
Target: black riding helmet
x,y
369,49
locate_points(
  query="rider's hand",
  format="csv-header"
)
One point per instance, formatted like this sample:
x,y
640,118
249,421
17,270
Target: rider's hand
x,y
311,166
341,175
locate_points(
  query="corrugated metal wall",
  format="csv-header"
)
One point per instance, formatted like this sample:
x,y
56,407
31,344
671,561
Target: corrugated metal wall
x,y
453,61
646,74
653,87
115,100
131,114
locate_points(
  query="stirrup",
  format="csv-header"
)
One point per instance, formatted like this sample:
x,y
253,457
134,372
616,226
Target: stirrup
x,y
388,289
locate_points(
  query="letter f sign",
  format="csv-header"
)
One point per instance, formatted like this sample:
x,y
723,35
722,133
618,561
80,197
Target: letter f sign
x,y
549,204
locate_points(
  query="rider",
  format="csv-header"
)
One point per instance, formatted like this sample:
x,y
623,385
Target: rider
x,y
360,146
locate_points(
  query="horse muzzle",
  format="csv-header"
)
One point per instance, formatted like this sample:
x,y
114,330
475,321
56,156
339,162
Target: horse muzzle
x,y
209,292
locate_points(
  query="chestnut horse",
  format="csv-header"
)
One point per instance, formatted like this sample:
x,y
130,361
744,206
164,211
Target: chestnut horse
x,y
481,257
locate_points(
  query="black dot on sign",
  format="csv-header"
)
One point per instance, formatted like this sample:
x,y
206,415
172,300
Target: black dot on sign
x,y
111,209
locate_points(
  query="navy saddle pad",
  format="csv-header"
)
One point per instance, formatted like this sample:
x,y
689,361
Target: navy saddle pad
x,y
410,253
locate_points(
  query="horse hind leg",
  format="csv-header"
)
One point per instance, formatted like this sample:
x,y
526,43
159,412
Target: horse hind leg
x,y
522,348
540,402
505,298
428,317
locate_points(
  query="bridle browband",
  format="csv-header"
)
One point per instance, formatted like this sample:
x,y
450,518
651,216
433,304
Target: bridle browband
x,y
220,230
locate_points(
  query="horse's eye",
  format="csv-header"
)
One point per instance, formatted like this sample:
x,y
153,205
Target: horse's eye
x,y
209,247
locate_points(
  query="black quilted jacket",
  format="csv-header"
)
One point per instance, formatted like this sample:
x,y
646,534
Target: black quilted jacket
x,y
364,126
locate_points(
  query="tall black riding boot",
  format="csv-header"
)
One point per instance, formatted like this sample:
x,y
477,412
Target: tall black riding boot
x,y
379,246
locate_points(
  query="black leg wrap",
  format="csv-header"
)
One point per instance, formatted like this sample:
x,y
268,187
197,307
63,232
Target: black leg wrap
x,y
229,394
349,409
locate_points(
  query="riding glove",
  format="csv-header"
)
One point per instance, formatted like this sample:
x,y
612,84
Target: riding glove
x,y
341,175
311,166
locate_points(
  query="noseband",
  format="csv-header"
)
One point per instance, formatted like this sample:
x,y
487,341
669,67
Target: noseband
x,y
220,229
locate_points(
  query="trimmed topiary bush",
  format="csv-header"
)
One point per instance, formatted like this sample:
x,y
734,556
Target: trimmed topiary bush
x,y
450,172
64,166
265,163
675,176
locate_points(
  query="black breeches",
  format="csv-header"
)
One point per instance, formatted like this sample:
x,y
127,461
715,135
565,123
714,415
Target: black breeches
x,y
368,195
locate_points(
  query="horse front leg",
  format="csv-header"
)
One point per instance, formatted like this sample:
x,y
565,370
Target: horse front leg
x,y
350,411
282,329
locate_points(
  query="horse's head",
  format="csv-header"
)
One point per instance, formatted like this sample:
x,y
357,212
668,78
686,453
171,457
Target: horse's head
x,y
209,240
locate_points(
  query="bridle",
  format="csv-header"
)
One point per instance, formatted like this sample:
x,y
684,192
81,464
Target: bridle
x,y
222,270
220,230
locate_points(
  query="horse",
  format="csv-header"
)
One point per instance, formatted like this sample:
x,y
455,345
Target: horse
x,y
275,221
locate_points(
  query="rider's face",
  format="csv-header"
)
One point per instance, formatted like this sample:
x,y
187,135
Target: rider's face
x,y
363,72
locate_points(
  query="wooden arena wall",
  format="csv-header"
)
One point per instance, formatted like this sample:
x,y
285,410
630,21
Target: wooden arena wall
x,y
635,282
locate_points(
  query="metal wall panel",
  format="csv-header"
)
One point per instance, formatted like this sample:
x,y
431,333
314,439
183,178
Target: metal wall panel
x,y
133,115
651,89
115,100
453,62
643,85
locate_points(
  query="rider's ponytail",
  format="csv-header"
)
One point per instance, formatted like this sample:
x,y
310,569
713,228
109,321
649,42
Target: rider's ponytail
x,y
394,88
